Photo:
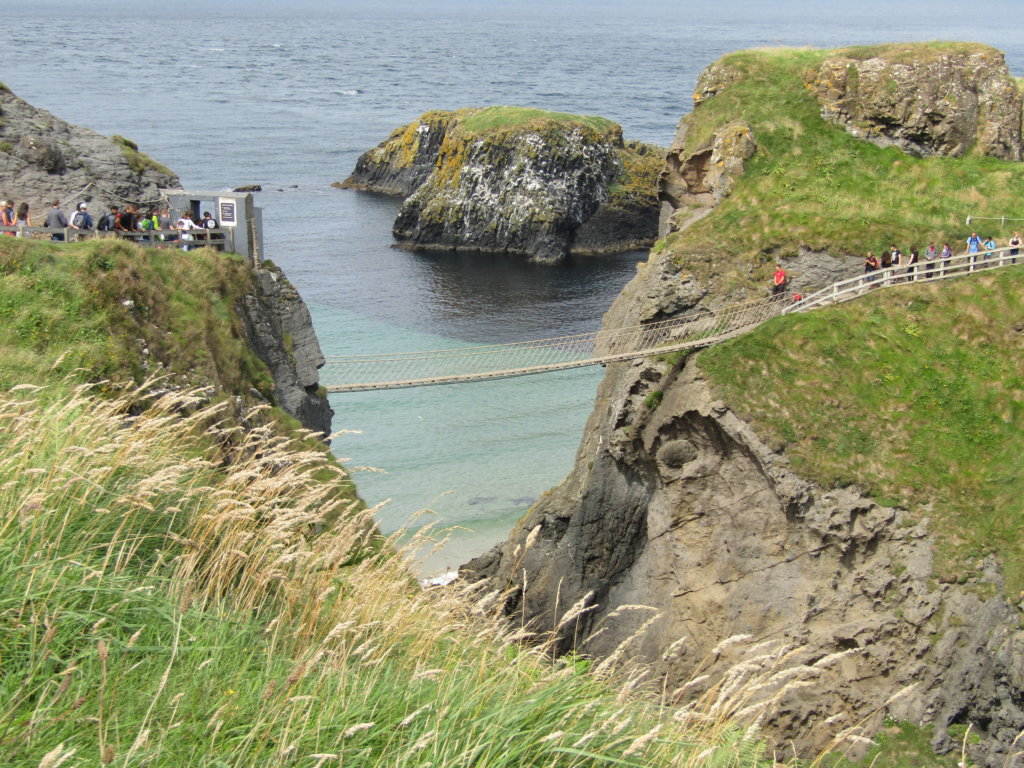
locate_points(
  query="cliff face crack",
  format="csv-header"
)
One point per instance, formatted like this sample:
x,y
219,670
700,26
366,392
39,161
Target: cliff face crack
x,y
745,574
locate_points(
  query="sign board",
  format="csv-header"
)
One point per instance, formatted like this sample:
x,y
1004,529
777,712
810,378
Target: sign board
x,y
228,208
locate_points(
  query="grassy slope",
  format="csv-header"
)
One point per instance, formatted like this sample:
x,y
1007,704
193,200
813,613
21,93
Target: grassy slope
x,y
163,607
91,308
913,394
812,184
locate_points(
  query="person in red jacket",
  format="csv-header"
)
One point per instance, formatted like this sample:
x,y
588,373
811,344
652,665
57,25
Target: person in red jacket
x,y
779,281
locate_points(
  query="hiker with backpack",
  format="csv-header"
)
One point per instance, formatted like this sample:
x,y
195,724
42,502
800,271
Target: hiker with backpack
x,y
108,220
81,220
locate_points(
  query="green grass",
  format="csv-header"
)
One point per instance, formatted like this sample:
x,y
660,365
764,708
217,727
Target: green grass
x,y
911,394
812,184
494,119
165,605
138,162
92,308
913,53
902,745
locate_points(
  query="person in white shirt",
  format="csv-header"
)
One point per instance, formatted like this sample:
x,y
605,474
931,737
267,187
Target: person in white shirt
x,y
185,225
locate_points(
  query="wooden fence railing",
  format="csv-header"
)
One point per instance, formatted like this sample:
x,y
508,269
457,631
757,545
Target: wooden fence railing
x,y
923,271
222,238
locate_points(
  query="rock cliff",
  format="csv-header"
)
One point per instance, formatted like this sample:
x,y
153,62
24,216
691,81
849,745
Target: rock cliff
x,y
505,180
747,555
954,100
280,331
43,158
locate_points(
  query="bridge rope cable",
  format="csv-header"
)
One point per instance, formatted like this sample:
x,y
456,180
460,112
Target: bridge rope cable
x,y
697,329
517,358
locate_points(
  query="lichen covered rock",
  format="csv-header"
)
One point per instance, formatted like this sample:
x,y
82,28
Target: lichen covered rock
x,y
44,158
507,180
927,100
403,161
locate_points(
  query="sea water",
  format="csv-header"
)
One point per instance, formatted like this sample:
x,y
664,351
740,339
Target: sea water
x,y
288,94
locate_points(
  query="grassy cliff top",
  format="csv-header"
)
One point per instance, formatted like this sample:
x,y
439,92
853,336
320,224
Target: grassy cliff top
x,y
177,591
912,394
914,52
108,309
475,122
812,184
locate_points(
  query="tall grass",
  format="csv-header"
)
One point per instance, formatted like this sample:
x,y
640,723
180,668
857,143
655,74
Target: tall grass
x,y
174,595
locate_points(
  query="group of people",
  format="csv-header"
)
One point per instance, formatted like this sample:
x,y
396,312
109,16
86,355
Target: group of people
x,y
117,219
893,257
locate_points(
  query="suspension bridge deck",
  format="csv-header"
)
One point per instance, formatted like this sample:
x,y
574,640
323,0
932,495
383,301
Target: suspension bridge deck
x,y
694,331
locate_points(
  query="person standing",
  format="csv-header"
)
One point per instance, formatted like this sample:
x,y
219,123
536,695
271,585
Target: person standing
x,y
896,259
81,220
185,225
55,219
947,254
973,246
127,220
7,215
779,280
22,218
931,253
1014,247
211,223
990,247
912,259
108,221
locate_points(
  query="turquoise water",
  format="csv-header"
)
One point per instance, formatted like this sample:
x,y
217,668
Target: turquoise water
x,y
468,458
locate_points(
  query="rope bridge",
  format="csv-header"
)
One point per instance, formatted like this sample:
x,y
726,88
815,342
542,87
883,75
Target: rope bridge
x,y
500,361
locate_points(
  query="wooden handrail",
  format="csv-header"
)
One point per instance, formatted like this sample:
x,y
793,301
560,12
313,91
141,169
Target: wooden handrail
x,y
141,236
923,271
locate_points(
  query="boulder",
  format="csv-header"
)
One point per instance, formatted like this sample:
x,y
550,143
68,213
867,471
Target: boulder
x,y
948,100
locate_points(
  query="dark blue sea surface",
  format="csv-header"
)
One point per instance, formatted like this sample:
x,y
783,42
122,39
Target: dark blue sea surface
x,y
288,94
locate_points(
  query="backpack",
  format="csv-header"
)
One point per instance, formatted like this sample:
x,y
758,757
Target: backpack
x,y
106,222
78,220
210,223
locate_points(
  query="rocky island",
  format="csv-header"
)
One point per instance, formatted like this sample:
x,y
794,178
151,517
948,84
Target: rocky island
x,y
519,181
836,494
